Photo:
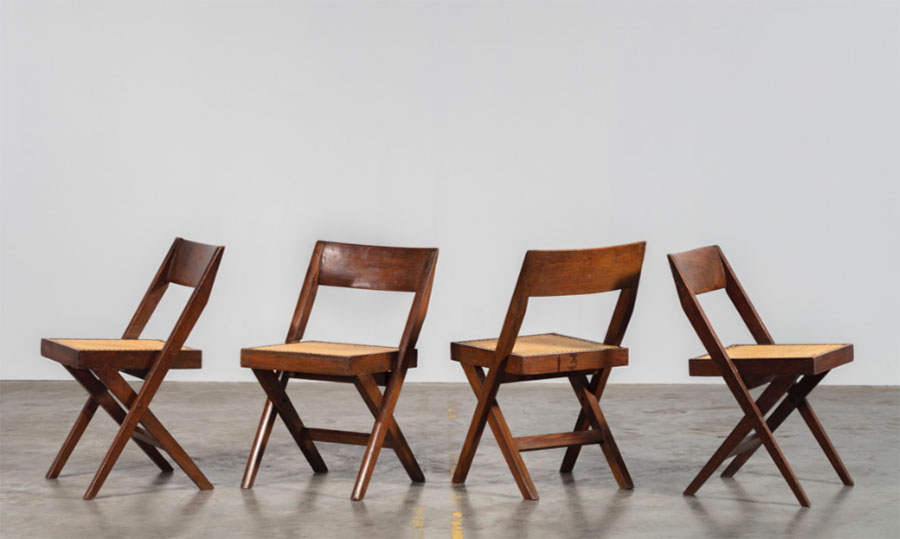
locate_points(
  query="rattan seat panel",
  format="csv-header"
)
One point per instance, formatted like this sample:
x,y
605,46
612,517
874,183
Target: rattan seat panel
x,y
777,359
323,358
98,345
547,344
778,351
122,354
543,354
320,348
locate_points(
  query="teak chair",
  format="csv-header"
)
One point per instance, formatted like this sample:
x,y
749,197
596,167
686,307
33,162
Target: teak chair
x,y
789,369
514,358
367,367
97,365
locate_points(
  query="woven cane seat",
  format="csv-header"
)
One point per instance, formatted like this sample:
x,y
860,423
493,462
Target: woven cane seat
x,y
318,357
777,359
137,354
543,354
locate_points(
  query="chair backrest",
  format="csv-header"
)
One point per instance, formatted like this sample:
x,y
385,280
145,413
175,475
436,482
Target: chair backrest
x,y
575,272
703,270
369,267
188,264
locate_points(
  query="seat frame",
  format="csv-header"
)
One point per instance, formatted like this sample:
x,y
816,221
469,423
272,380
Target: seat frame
x,y
556,273
704,270
351,266
189,264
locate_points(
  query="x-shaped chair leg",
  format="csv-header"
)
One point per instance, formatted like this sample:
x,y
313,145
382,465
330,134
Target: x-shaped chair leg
x,y
275,390
138,405
596,386
373,398
754,421
384,419
796,399
591,408
368,388
99,396
266,422
502,434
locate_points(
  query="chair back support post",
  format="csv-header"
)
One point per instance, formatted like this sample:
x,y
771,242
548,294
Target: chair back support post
x,y
152,297
307,296
615,333
742,303
187,263
515,315
194,307
692,268
417,311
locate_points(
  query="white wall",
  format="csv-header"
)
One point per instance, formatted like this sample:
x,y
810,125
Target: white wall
x,y
483,128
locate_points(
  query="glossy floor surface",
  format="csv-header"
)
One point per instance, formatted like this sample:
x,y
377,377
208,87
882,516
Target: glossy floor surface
x,y
665,433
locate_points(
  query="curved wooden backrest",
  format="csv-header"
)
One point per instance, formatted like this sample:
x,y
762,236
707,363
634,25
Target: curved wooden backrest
x,y
702,269
396,269
189,264
581,271
190,261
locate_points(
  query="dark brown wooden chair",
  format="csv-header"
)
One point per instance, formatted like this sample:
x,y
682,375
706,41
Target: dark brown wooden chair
x,y
514,358
97,365
367,367
789,369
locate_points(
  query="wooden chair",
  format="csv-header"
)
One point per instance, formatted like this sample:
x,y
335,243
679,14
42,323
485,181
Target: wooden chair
x,y
514,358
97,365
791,370
367,367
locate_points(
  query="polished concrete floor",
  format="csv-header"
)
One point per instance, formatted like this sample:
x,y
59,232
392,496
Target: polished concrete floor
x,y
666,433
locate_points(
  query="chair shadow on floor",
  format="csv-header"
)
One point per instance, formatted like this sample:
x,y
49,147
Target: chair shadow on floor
x,y
319,486
523,514
720,526
108,521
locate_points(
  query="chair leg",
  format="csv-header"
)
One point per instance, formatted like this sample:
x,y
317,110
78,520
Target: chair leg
x,y
277,395
753,419
368,388
596,386
819,432
384,418
100,394
486,398
139,411
591,407
796,393
503,436
769,397
84,417
266,422
771,446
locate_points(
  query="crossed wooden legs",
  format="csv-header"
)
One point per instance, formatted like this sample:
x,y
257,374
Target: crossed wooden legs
x,y
742,446
591,427
99,384
385,431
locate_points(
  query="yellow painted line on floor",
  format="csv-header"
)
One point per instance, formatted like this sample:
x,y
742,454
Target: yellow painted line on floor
x,y
456,529
456,517
418,521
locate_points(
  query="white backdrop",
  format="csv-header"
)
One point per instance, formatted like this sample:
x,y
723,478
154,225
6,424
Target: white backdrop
x,y
483,128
